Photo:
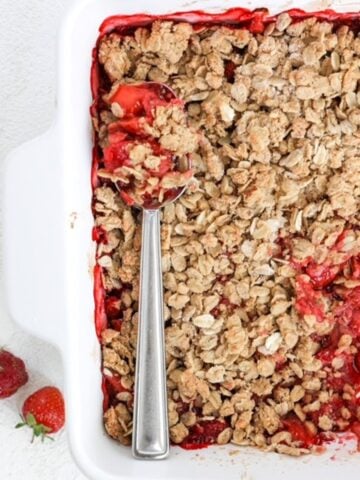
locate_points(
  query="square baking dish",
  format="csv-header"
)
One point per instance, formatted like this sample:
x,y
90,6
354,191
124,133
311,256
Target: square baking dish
x,y
49,259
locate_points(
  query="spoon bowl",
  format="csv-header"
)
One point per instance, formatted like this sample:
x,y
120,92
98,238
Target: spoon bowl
x,y
136,103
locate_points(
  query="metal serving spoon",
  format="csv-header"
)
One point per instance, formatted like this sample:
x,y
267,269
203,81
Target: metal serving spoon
x,y
150,438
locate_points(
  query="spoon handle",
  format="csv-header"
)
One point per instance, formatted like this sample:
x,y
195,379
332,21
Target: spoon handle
x,y
150,430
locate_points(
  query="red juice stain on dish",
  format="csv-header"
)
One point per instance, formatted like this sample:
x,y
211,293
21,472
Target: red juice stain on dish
x,y
255,21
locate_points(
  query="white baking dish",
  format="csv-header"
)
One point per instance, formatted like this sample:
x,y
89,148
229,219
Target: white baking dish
x,y
48,259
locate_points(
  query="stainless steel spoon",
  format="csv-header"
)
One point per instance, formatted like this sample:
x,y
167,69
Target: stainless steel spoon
x,y
150,428
150,438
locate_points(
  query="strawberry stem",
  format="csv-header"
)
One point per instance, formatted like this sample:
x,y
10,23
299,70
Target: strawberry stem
x,y
38,429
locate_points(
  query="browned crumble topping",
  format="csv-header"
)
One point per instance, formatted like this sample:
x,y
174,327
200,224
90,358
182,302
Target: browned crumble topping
x,y
278,157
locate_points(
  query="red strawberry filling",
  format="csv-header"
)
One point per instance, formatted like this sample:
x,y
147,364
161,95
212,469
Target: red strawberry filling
x,y
141,100
144,177
299,432
319,286
203,434
308,300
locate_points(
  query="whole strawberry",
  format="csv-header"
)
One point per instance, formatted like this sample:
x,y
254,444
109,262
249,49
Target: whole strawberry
x,y
44,412
13,374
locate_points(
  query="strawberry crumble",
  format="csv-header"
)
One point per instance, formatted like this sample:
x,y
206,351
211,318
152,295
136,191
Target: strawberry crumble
x,y
261,256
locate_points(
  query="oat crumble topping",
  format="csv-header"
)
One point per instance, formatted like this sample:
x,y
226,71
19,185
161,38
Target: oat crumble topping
x,y
261,256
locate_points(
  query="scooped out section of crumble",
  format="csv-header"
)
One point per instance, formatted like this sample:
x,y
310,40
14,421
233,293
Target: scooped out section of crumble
x,y
146,144
261,256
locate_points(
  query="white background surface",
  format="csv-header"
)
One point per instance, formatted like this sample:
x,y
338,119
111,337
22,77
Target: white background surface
x,y
27,100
